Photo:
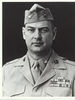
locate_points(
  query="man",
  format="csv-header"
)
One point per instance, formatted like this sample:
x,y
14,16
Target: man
x,y
41,72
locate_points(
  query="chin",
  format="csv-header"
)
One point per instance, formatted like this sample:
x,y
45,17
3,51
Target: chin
x,y
38,50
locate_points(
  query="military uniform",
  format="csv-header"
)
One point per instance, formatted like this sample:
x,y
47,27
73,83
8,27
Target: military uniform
x,y
57,79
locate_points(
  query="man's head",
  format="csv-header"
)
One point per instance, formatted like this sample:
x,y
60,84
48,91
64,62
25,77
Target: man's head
x,y
39,31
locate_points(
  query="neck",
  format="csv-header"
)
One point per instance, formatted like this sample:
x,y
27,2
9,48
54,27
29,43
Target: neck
x,y
37,56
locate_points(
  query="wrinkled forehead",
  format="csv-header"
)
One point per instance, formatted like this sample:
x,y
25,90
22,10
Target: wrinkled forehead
x,y
39,24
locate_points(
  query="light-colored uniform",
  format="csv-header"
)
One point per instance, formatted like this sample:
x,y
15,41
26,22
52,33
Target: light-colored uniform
x,y
57,79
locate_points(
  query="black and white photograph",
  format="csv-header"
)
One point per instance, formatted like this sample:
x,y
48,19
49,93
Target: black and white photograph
x,y
38,49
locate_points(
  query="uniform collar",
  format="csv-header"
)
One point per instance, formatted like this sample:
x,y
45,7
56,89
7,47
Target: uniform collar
x,y
43,61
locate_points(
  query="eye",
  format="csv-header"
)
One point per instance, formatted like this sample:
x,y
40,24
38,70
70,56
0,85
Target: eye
x,y
31,30
44,30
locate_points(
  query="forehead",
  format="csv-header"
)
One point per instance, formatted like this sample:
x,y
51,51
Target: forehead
x,y
39,24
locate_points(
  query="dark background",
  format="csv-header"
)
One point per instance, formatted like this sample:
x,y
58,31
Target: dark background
x,y
13,18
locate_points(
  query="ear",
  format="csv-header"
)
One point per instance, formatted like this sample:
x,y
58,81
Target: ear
x,y
23,32
54,33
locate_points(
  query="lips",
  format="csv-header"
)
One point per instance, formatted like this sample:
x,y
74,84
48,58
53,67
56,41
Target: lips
x,y
37,43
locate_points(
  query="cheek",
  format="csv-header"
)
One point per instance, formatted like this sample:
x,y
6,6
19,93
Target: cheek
x,y
28,40
27,37
48,38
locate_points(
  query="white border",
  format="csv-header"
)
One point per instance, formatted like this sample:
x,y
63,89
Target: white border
x,y
0,49
37,98
25,98
38,0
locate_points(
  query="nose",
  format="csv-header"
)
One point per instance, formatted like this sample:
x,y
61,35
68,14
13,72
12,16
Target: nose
x,y
37,34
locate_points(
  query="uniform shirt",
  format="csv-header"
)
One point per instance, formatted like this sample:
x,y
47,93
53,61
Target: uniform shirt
x,y
57,78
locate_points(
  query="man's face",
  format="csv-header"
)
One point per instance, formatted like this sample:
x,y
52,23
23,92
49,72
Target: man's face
x,y
38,36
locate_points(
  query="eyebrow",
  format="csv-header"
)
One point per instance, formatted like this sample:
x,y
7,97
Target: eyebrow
x,y
30,27
35,27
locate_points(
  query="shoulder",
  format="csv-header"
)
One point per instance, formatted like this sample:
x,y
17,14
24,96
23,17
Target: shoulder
x,y
12,68
70,65
61,59
67,61
14,63
11,62
66,65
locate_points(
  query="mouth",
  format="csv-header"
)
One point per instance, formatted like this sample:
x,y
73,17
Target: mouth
x,y
37,43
